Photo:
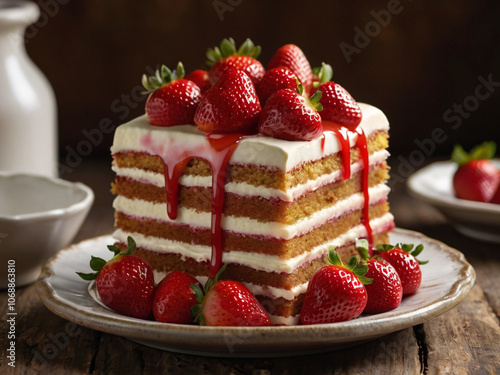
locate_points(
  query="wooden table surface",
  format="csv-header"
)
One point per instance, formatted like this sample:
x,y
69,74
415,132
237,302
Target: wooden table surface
x,y
465,340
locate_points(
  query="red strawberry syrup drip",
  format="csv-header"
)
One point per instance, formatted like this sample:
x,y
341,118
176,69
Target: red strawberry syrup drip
x,y
363,150
176,156
342,135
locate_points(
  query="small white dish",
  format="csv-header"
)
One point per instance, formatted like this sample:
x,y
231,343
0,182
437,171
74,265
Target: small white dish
x,y
38,216
446,280
434,184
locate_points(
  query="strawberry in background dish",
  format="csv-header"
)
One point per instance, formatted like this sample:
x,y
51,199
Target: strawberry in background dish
x,y
172,99
227,57
477,178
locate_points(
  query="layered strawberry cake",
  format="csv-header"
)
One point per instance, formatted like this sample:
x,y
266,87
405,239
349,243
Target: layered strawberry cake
x,y
250,181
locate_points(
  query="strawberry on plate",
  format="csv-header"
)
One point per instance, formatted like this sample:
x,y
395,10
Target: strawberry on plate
x,y
227,57
477,178
228,303
336,292
125,283
338,105
404,259
231,105
172,99
386,291
289,115
290,56
200,77
174,298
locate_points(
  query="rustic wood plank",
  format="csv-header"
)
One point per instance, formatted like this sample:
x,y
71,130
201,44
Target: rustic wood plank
x,y
466,340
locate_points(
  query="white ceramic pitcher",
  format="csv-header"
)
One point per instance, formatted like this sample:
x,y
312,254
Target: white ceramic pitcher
x,y
28,129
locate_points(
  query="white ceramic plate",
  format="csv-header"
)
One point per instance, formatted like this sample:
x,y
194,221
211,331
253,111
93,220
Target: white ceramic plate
x,y
447,279
434,184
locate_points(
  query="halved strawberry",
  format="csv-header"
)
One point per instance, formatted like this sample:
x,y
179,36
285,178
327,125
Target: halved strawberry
x,y
227,57
476,178
289,115
172,99
290,56
336,292
231,105
228,303
275,80
125,283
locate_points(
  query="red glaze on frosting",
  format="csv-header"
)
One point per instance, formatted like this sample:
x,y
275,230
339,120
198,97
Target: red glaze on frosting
x,y
363,151
342,135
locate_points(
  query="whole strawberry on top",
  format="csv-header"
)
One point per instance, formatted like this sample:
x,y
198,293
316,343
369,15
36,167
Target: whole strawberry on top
x,y
336,292
338,105
477,178
386,291
228,303
172,99
275,80
404,259
200,77
289,115
227,57
174,298
125,283
291,57
231,105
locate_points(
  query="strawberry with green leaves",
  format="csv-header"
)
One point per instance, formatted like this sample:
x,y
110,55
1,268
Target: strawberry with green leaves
x,y
338,105
403,257
477,178
172,99
174,298
228,303
227,57
231,105
125,283
336,293
386,291
291,57
289,115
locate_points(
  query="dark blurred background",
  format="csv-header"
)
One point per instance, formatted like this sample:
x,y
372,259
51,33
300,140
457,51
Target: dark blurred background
x,y
432,66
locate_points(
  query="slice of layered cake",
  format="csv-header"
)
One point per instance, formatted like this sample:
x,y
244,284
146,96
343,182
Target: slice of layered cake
x,y
266,207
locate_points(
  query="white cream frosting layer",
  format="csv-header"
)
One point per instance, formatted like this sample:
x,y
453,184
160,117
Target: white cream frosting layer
x,y
245,189
257,261
245,225
259,150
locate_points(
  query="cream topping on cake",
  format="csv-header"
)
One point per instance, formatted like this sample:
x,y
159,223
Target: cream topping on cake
x,y
259,150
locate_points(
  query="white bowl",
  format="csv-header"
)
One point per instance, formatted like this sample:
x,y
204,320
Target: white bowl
x,y
434,184
38,217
